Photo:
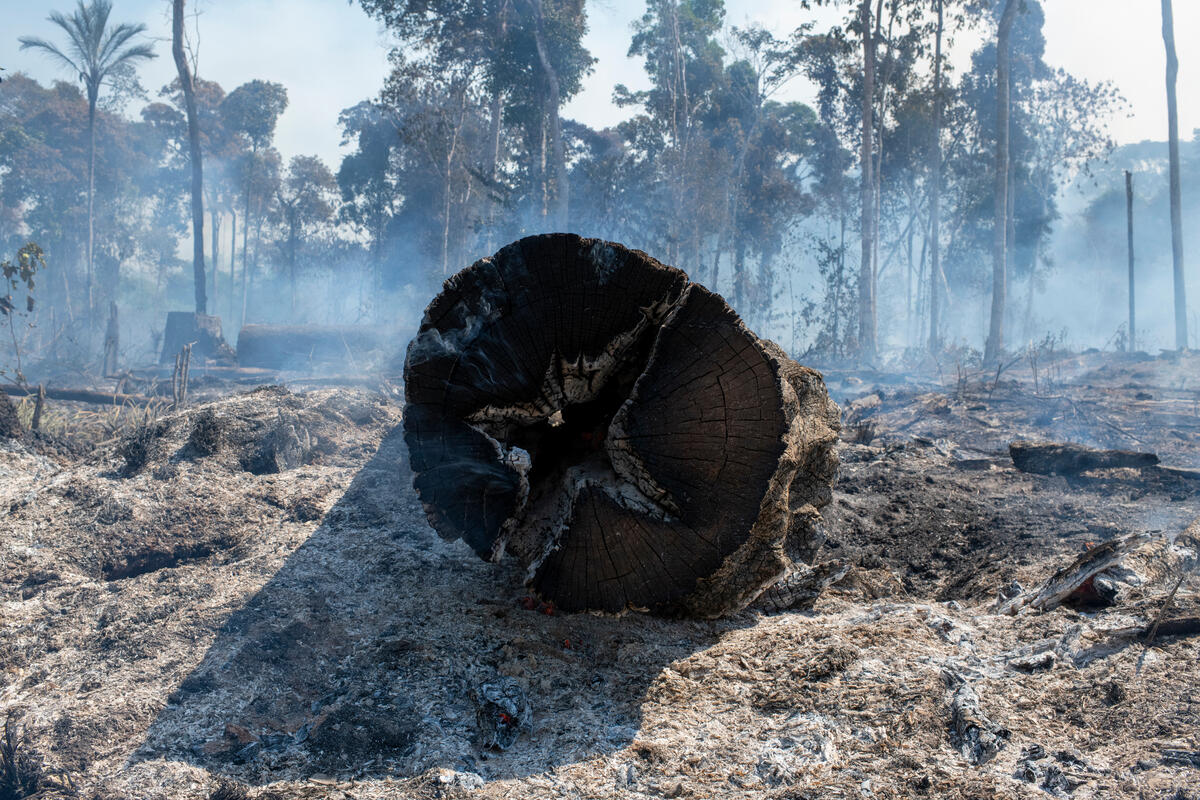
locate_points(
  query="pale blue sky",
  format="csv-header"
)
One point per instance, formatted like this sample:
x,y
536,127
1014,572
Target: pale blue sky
x,y
330,55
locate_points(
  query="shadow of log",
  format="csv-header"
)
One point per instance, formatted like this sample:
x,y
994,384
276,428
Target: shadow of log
x,y
362,655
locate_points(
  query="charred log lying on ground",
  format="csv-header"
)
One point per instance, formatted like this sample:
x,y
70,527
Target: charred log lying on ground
x,y
301,347
1049,458
616,428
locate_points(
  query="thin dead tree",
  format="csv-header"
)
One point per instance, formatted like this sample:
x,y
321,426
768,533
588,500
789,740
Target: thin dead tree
x,y
1129,237
1168,34
189,100
995,340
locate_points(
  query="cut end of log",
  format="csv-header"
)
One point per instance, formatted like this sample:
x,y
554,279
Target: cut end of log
x,y
618,429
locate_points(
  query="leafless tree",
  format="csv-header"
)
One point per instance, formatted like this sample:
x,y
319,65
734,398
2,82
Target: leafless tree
x,y
1168,34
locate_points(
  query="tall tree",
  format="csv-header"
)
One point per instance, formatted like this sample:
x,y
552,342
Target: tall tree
x,y
368,177
96,53
193,123
305,198
1168,34
935,190
251,112
556,190
995,340
866,276
677,41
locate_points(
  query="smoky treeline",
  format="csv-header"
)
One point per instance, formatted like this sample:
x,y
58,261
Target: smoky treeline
x,y
861,225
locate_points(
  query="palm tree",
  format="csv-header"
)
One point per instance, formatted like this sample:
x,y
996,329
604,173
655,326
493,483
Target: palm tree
x,y
94,52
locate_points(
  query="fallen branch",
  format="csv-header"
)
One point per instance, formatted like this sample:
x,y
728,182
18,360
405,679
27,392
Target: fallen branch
x,y
1062,583
84,396
976,736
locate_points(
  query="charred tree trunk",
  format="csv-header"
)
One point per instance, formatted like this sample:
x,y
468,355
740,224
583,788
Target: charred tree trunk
x,y
1049,458
1168,33
616,428
995,340
189,101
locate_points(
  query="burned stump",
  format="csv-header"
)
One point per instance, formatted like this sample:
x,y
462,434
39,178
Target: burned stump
x,y
616,428
201,331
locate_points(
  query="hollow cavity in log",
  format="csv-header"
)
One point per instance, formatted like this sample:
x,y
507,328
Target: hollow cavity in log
x,y
618,429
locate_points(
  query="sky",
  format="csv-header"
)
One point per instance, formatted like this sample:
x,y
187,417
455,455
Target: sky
x,y
330,55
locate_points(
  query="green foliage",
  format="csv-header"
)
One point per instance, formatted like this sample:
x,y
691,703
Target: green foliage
x,y
20,277
96,51
253,109
30,261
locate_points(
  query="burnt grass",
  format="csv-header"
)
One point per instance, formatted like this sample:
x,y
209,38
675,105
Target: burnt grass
x,y
928,491
260,610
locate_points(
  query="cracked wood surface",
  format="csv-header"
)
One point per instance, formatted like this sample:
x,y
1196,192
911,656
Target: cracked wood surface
x,y
616,428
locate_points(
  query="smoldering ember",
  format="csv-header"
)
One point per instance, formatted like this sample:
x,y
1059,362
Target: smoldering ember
x,y
556,399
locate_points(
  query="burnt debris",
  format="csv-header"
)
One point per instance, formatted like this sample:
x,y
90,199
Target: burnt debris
x,y
617,428
1068,458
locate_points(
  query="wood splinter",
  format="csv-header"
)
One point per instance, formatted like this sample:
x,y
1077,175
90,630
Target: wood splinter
x,y
616,428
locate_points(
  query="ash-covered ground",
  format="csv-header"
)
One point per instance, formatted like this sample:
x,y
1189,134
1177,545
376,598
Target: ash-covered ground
x,y
245,597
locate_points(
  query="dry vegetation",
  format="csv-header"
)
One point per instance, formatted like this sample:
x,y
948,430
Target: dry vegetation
x,y
244,600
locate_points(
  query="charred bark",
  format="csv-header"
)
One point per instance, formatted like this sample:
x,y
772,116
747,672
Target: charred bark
x,y
194,155
616,428
1045,458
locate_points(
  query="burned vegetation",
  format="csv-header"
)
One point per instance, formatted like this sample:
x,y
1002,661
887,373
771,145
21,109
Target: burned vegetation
x,y
616,428
243,598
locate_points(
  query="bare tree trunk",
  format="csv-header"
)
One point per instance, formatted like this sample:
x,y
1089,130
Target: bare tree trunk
x,y
1168,34
908,286
558,206
866,279
496,111
1129,237
935,192
878,144
232,253
293,245
995,340
189,100
246,229
93,93
1027,328
214,221
245,266
112,341
446,222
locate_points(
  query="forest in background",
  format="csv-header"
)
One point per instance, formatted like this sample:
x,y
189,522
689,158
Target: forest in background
x,y
861,226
